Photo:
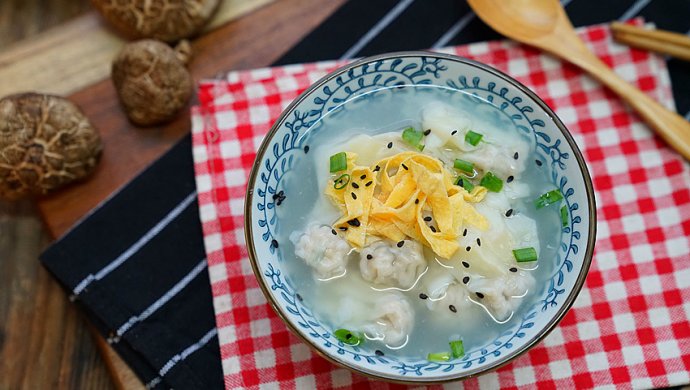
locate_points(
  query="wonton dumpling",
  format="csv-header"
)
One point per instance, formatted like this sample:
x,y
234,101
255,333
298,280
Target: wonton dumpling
x,y
500,295
325,252
385,263
443,290
392,320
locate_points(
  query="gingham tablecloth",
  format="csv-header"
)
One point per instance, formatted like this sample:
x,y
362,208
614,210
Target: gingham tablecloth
x,y
629,326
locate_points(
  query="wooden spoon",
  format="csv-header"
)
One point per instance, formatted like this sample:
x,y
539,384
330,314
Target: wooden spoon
x,y
544,24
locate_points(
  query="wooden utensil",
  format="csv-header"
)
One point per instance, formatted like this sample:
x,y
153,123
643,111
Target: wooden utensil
x,y
660,41
544,24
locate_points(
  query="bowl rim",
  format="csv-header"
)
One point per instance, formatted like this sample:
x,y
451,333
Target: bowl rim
x,y
551,324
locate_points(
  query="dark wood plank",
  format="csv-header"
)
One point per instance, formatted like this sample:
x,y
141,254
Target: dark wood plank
x,y
44,341
252,41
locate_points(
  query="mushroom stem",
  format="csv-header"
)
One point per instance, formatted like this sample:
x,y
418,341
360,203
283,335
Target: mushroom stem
x,y
183,51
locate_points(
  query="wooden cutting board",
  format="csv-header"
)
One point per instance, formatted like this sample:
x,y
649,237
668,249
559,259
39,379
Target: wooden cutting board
x,y
245,34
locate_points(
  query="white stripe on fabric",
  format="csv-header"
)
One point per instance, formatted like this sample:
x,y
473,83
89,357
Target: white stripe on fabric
x,y
179,286
182,356
376,30
453,30
137,245
634,9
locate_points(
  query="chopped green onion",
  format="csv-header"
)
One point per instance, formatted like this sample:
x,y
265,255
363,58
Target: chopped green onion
x,y
473,138
457,348
523,255
548,198
438,357
463,165
564,216
465,183
341,181
491,182
413,137
347,337
338,162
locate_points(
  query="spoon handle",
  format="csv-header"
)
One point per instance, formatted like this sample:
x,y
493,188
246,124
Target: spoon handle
x,y
673,128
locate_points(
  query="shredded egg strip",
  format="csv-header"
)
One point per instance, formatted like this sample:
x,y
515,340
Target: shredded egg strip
x,y
392,200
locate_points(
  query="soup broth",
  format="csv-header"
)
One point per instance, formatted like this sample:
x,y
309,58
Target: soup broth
x,y
344,299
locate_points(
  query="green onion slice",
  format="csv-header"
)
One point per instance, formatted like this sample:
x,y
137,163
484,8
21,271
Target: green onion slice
x,y
457,349
548,198
465,183
413,137
438,357
491,182
523,255
463,165
338,162
473,138
341,181
347,337
564,216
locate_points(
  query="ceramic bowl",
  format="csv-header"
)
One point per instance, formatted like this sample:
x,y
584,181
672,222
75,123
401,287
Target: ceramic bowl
x,y
285,144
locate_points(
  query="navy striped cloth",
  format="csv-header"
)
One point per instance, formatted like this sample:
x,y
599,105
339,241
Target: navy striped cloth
x,y
137,265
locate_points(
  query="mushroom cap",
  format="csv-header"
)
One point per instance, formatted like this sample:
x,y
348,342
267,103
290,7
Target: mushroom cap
x,y
45,143
151,81
167,20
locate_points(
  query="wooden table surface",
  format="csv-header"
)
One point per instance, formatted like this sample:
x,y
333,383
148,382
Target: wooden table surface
x,y
44,340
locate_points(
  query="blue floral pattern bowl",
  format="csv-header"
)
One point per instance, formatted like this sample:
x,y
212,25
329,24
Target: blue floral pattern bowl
x,y
285,143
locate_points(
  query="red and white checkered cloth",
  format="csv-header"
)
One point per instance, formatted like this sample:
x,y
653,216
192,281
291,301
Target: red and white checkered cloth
x,y
630,324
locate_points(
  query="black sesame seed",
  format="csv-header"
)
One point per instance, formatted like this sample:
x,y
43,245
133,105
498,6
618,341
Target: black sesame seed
x,y
274,243
513,269
353,222
469,248
516,155
348,336
334,232
299,297
355,185
480,295
306,149
427,132
453,132
390,145
464,232
479,242
378,352
509,179
400,244
275,196
377,168
423,296
353,195
452,308
362,177
466,279
538,162
416,201
369,257
343,228
405,167
509,212
460,183
427,219
433,229
466,264
368,183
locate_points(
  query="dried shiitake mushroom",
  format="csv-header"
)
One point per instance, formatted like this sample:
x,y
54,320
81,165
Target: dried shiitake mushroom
x,y
152,81
45,143
167,20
